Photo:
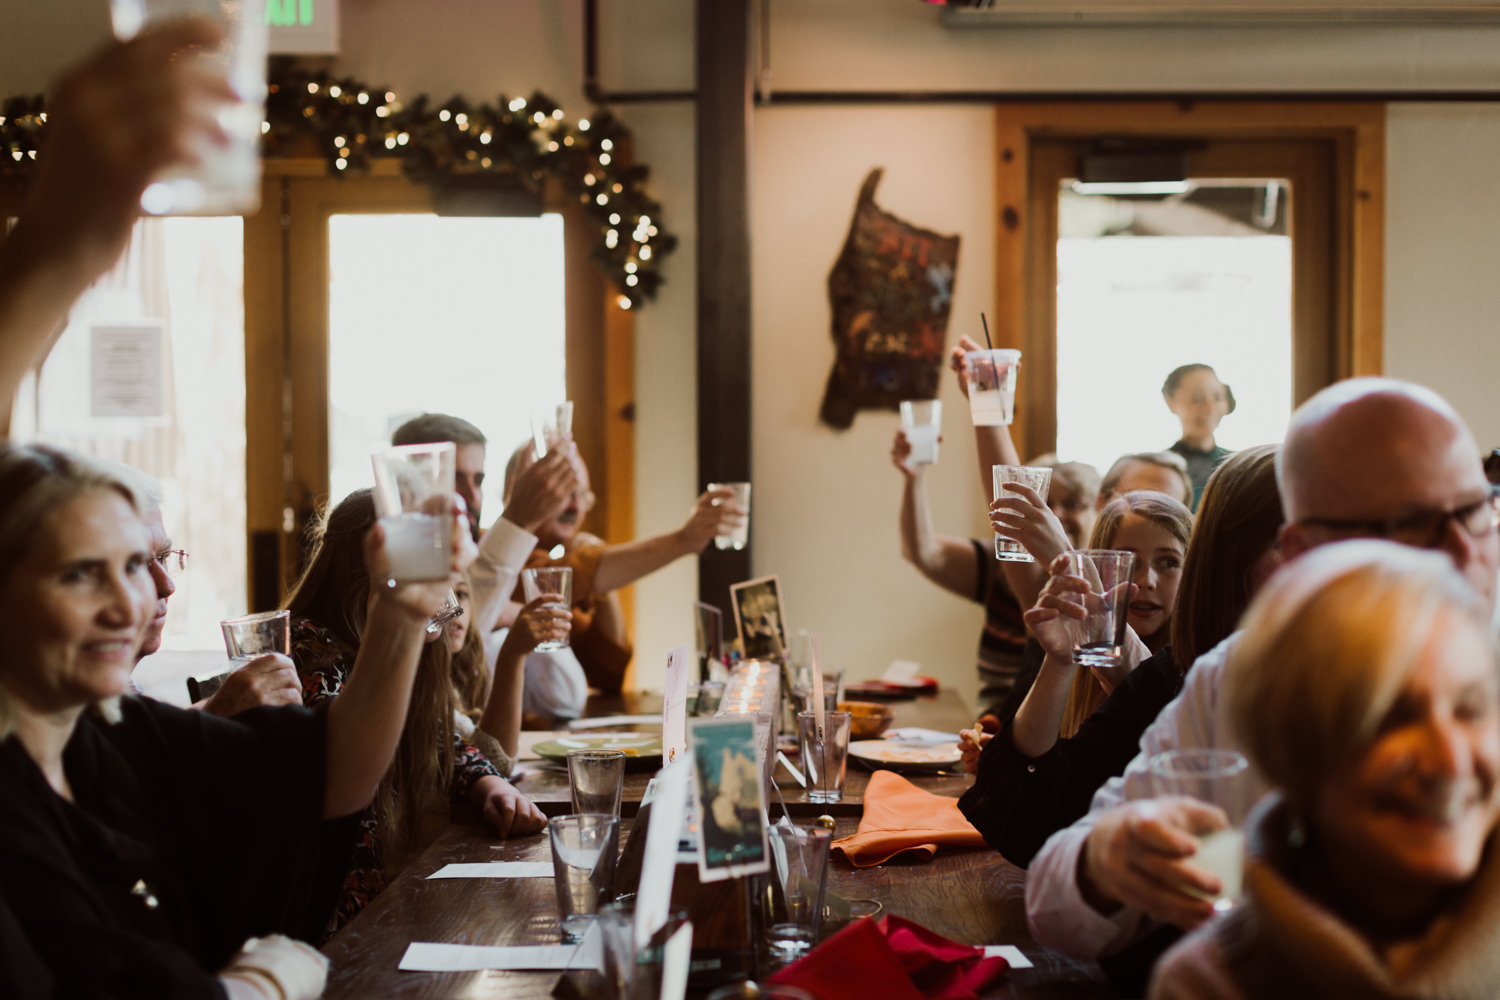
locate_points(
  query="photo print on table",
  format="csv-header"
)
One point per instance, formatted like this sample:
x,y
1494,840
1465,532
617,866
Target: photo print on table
x,y
759,618
708,633
730,806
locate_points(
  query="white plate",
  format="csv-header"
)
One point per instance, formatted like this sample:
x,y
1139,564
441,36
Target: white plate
x,y
906,756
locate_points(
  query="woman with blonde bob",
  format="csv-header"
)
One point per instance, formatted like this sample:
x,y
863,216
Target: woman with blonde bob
x,y
1366,691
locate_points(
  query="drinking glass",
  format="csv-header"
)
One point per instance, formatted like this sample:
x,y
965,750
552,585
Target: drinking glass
x,y
824,760
735,537
450,610
1218,778
584,854
1099,638
249,636
412,484
596,779
799,873
922,419
549,580
549,425
991,376
1038,478
225,180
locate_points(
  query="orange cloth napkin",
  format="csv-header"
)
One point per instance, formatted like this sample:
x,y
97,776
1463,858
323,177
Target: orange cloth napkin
x,y
901,817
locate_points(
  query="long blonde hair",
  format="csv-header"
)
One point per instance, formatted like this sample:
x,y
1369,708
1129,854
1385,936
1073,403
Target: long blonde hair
x,y
333,593
1086,693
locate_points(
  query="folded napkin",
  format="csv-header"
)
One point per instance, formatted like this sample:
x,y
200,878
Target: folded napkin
x,y
900,817
893,959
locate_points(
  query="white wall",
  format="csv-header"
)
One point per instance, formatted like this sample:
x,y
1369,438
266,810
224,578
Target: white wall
x,y
825,503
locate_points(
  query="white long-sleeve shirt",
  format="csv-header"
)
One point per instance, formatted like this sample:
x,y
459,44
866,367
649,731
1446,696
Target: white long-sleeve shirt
x,y
1056,911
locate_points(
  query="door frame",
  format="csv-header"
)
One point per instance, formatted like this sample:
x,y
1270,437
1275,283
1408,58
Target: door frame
x,y
286,359
1026,225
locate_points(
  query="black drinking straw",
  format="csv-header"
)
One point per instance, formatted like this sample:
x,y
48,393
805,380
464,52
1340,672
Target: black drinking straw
x,y
987,342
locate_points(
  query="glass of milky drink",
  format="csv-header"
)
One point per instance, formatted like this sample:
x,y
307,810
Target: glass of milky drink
x,y
922,419
412,488
991,377
1220,779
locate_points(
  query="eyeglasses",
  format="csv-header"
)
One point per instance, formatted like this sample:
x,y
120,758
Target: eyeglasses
x,y
172,561
1424,530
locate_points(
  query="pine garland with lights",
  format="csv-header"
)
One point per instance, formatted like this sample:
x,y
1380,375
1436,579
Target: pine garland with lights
x,y
525,139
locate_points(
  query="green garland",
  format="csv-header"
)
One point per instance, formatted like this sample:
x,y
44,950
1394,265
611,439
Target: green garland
x,y
526,140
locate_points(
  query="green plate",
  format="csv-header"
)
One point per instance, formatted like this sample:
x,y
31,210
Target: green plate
x,y
642,750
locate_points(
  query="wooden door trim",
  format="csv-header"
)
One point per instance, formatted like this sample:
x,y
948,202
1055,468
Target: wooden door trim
x,y
1025,312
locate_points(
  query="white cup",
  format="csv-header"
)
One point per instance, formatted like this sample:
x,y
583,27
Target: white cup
x,y
411,488
922,419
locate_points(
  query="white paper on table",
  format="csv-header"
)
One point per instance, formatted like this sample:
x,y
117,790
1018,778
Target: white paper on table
x,y
792,769
676,957
653,900
901,672
1010,953
426,956
916,734
674,707
605,721
496,869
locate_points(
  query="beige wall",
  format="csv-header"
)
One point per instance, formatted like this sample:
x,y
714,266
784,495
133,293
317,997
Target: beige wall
x,y
825,503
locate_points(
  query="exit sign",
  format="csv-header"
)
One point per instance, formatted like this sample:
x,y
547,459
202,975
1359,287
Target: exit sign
x,y
303,27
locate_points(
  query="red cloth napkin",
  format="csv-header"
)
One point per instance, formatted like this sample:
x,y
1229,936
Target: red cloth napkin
x,y
893,959
899,817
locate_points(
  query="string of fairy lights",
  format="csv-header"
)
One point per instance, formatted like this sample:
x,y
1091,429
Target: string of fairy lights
x,y
528,140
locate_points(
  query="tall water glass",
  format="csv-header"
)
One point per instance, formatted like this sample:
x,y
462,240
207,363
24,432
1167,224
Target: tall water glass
x,y
991,378
735,537
1099,638
549,580
799,871
584,854
225,180
1218,778
596,779
1039,478
824,759
412,484
922,420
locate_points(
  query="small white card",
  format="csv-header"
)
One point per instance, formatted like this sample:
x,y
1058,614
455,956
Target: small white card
x,y
674,707
1010,953
653,901
676,961
426,956
496,869
901,672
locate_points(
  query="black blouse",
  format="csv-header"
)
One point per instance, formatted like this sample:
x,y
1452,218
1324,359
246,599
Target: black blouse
x,y
1017,802
187,834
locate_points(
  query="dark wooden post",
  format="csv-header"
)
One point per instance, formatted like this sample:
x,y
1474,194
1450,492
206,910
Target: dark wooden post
x,y
723,131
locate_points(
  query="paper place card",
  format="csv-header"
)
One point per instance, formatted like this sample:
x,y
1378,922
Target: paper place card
x,y
901,672
496,869
653,900
676,957
792,769
674,706
1010,953
423,956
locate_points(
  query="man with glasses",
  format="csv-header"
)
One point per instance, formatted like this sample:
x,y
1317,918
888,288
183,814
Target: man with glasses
x,y
1363,458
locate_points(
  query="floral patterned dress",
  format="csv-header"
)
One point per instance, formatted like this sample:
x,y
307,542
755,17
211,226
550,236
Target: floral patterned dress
x,y
323,665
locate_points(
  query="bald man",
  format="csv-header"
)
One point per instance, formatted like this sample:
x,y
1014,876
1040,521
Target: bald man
x,y
1365,458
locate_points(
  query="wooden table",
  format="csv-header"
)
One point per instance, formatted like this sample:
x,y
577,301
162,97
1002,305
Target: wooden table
x,y
975,897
